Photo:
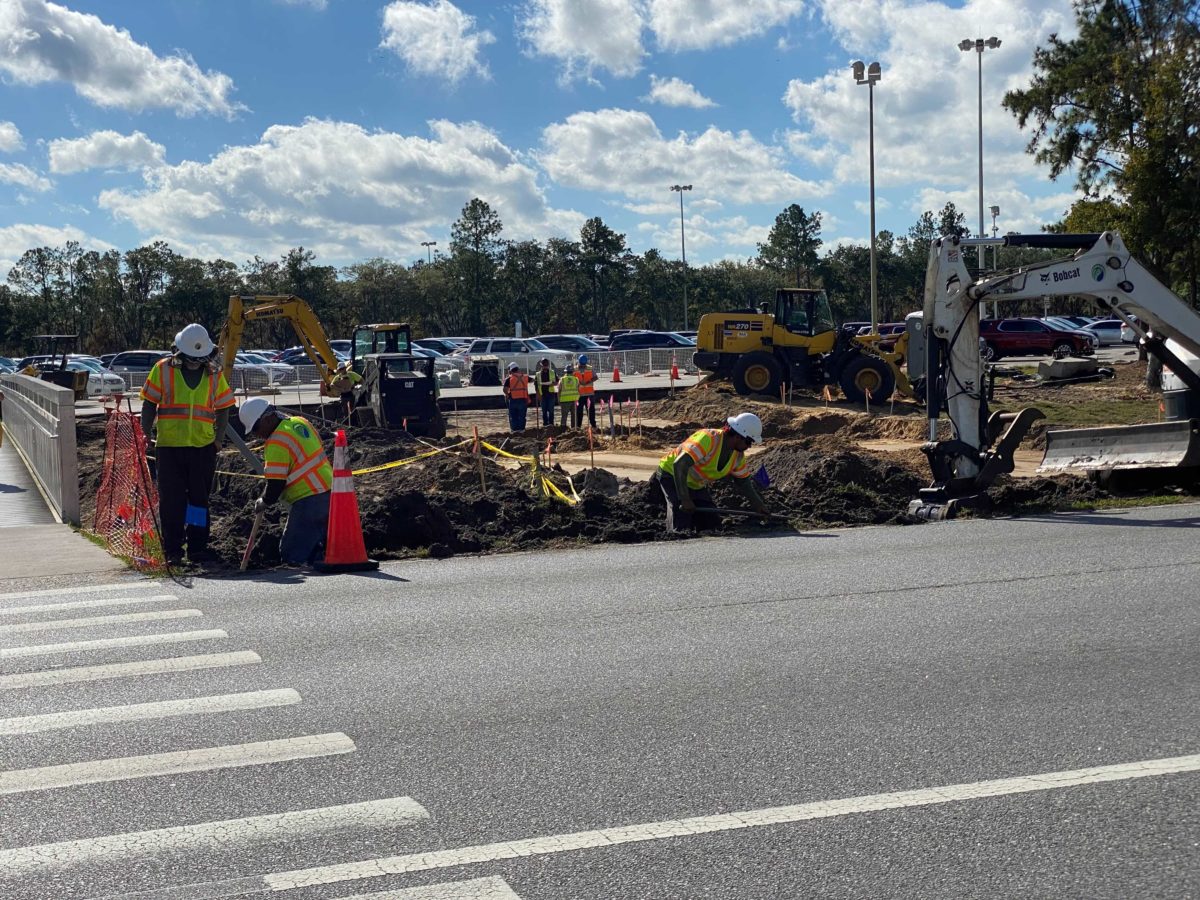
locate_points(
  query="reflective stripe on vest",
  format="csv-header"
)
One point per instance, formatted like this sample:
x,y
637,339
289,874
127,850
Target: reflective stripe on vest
x,y
518,386
568,389
704,447
586,377
186,415
294,453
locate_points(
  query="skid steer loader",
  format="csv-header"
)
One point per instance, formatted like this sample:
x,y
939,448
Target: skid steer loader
x,y
401,388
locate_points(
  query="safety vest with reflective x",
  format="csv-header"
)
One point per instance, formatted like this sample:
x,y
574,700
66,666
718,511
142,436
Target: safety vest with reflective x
x,y
704,447
294,452
186,415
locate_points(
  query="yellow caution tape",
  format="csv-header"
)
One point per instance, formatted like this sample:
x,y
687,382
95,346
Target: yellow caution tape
x,y
392,465
552,490
527,459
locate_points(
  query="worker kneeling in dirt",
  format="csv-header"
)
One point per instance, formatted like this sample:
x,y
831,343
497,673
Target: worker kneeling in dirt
x,y
709,455
298,471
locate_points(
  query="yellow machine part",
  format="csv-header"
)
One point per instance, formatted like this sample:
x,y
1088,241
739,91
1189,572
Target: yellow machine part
x,y
277,306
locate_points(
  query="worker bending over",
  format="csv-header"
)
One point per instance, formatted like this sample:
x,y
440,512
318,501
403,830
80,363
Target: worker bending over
x,y
709,455
297,471
190,400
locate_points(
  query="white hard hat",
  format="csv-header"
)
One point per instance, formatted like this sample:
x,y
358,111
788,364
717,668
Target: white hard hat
x,y
748,425
251,411
194,341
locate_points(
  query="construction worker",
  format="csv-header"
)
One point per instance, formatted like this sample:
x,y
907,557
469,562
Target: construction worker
x,y
568,395
544,381
297,471
516,392
189,398
709,455
345,384
587,391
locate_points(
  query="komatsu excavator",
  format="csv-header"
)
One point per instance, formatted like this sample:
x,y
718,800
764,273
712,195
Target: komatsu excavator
x,y
981,446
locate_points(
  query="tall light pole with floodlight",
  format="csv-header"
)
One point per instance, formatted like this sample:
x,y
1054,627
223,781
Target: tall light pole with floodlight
x,y
428,252
683,248
869,75
979,45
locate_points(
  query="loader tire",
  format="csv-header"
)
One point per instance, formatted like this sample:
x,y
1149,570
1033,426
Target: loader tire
x,y
436,429
757,373
867,373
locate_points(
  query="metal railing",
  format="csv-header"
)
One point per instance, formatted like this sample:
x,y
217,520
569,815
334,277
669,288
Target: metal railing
x,y
39,419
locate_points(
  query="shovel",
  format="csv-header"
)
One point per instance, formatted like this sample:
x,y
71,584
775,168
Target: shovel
x,y
747,513
250,543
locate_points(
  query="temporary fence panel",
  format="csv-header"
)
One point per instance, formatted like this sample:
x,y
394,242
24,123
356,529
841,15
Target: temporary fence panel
x,y
127,502
39,419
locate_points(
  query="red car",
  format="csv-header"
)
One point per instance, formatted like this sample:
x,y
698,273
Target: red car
x,y
1031,337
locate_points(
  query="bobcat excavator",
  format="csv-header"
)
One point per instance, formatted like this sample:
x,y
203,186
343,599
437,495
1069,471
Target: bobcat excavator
x,y
981,446
276,306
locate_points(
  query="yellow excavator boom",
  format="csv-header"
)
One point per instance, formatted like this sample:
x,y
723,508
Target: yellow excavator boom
x,y
277,306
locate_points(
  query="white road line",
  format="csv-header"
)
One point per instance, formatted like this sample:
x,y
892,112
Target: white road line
x,y
17,781
494,888
136,712
653,831
96,621
137,640
87,589
83,604
229,834
129,669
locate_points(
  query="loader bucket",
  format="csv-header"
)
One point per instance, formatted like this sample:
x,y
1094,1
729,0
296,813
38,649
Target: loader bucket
x,y
1160,445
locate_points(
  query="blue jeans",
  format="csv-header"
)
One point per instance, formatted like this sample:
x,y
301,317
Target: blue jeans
x,y
516,414
304,533
549,401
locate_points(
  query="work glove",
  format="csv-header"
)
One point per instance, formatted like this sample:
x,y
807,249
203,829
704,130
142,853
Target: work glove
x,y
259,505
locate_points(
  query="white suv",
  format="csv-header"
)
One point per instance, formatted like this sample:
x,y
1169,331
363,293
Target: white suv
x,y
525,352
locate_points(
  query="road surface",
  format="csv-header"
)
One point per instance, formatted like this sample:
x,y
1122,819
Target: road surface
x,y
959,709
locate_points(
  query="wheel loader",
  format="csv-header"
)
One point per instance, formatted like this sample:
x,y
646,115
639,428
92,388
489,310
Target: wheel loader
x,y
800,345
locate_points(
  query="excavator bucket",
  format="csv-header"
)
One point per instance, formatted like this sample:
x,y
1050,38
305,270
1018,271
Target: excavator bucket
x,y
1157,445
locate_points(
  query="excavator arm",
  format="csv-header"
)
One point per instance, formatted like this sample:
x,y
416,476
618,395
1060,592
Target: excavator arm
x,y
277,306
981,445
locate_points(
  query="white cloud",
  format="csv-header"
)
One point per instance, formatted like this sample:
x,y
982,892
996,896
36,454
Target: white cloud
x,y
104,150
344,192
622,151
436,39
585,35
16,239
318,5
926,102
42,42
23,176
676,92
700,24
10,138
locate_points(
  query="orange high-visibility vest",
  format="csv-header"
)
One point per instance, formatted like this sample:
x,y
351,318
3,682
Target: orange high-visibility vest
x,y
586,378
704,447
518,386
186,416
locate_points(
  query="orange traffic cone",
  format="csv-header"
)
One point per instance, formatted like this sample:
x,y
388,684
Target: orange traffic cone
x,y
674,369
616,373
344,547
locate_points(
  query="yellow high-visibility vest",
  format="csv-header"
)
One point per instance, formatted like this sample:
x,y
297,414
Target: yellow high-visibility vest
x,y
294,452
186,415
568,389
704,447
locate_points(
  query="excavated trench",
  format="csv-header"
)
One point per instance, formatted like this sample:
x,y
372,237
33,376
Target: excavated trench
x,y
820,476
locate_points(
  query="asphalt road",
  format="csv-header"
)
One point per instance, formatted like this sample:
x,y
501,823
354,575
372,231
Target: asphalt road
x,y
522,702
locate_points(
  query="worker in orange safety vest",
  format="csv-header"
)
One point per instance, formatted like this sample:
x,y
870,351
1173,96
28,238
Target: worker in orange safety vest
x,y
587,392
516,393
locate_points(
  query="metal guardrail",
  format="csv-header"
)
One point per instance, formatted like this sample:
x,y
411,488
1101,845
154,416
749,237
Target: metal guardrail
x,y
39,419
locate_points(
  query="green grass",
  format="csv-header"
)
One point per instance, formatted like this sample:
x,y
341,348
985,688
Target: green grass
x,y
1128,502
1087,413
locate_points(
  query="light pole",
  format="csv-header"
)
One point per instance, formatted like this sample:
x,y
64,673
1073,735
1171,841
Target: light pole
x,y
978,45
683,248
428,252
995,211
869,75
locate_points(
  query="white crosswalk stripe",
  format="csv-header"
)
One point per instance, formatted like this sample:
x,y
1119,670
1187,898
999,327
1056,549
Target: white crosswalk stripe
x,y
494,888
121,643
144,585
175,763
129,669
97,621
227,834
82,604
137,712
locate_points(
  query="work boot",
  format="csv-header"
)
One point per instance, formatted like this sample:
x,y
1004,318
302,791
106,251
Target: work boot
x,y
203,555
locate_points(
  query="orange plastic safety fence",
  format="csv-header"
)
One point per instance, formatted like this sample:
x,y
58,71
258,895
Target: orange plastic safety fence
x,y
127,502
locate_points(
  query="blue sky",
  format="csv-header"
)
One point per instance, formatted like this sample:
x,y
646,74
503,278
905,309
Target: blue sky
x,y
360,128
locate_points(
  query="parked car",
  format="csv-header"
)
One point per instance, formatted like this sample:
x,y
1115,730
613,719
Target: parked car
x,y
575,343
136,360
1031,337
106,359
1107,331
525,352
6,366
270,372
340,346
101,382
1128,335
650,340
440,362
441,345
